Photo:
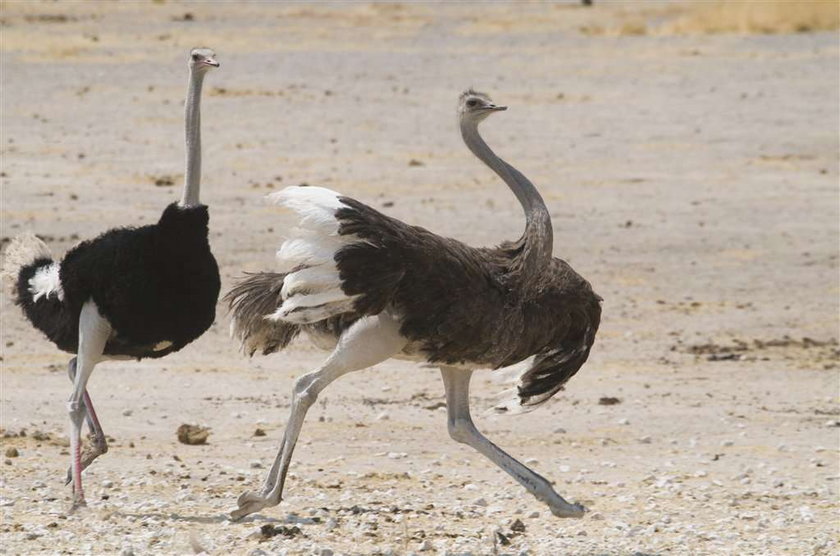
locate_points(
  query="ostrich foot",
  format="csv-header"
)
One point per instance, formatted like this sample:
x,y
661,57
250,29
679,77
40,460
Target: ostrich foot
x,y
78,505
89,453
250,502
566,509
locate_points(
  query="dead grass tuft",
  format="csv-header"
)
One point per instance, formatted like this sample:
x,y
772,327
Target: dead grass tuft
x,y
707,18
777,17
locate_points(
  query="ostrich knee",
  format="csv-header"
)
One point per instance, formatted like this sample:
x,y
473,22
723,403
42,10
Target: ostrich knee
x,y
460,430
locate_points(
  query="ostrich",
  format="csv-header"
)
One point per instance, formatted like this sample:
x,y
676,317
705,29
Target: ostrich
x,y
128,293
371,287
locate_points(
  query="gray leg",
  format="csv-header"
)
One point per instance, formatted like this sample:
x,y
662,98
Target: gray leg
x,y
461,428
100,443
93,334
369,341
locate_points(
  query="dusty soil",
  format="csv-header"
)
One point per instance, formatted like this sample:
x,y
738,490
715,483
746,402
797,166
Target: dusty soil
x,y
692,180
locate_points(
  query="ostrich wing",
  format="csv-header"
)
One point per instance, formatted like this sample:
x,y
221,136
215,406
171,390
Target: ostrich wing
x,y
463,305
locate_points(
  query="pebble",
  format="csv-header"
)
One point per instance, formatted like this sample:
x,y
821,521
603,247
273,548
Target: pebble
x,y
127,412
597,517
107,484
383,416
727,443
623,421
806,514
645,440
397,455
480,502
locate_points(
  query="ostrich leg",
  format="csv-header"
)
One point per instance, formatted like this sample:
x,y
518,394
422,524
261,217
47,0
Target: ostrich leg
x,y
93,334
461,428
367,342
100,443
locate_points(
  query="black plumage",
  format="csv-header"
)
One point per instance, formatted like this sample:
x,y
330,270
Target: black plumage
x,y
157,286
130,292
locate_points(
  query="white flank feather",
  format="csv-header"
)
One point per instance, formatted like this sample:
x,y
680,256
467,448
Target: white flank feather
x,y
306,309
46,282
312,289
25,250
316,207
310,280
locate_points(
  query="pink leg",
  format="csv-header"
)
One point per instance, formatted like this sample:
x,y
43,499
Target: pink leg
x,y
94,331
100,443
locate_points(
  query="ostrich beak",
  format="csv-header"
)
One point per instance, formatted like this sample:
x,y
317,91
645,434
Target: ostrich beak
x,y
494,108
211,62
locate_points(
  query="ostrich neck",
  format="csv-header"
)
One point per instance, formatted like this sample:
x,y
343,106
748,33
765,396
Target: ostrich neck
x,y
538,234
192,178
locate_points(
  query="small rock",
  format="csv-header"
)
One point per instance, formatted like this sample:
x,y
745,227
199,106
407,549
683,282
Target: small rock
x,y
518,526
608,400
127,412
383,416
597,517
480,502
623,421
645,440
267,531
12,452
259,432
193,434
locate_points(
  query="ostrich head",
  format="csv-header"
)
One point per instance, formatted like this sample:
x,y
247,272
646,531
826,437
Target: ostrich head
x,y
474,106
202,60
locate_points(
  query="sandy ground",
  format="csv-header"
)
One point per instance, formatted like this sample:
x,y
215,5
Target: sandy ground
x,y
691,179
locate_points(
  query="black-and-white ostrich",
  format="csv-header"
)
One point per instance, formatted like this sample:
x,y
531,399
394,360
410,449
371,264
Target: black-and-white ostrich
x,y
371,287
129,293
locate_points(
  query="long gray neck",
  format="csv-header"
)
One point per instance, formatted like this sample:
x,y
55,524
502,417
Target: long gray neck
x,y
539,236
192,178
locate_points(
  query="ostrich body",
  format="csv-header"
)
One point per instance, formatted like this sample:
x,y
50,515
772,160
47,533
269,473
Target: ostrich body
x,y
130,292
372,287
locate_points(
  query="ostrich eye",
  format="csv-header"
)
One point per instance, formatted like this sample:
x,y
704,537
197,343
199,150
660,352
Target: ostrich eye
x,y
196,57
472,103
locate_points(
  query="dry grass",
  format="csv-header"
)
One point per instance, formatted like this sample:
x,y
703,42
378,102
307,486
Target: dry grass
x,y
713,17
761,17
